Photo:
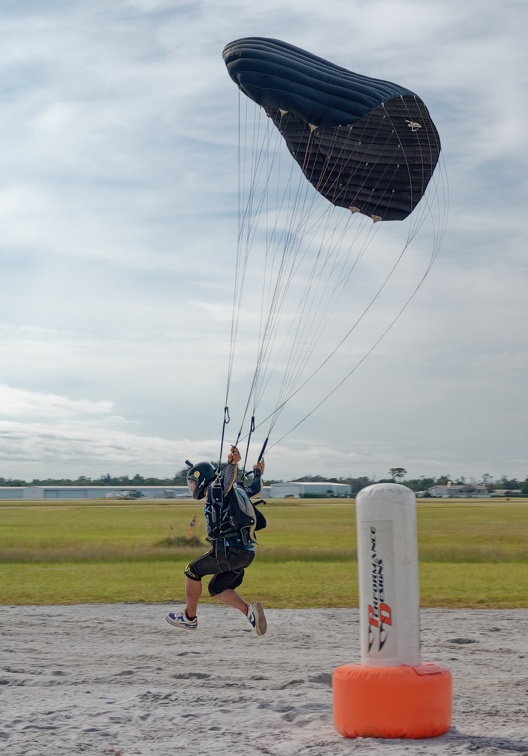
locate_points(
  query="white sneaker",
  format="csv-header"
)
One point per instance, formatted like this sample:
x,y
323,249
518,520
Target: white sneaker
x,y
180,619
257,618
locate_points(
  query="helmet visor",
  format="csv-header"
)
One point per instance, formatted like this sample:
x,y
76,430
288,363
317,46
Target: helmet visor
x,y
191,485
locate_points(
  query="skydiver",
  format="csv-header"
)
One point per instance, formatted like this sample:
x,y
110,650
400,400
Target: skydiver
x,y
232,551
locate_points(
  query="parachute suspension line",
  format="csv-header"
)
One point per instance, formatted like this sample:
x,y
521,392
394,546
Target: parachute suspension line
x,y
345,337
439,196
440,202
246,237
301,223
239,267
240,271
315,322
384,176
250,206
436,206
343,136
428,154
284,271
360,362
251,429
287,389
289,373
418,216
302,229
241,259
226,421
308,263
436,198
264,338
311,318
340,157
296,323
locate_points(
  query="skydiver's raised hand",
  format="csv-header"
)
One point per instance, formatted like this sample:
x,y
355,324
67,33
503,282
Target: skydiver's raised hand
x,y
234,456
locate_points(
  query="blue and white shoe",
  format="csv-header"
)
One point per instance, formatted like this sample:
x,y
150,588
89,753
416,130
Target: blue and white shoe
x,y
257,618
180,619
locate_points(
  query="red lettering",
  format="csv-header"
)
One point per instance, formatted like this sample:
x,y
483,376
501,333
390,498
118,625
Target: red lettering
x,y
385,614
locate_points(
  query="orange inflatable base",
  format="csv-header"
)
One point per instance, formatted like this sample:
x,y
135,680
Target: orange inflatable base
x,y
392,702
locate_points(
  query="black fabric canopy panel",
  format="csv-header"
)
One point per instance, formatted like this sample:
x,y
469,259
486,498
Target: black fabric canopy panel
x,y
365,144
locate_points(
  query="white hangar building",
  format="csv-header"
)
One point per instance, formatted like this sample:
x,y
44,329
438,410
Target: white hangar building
x,y
34,493
300,489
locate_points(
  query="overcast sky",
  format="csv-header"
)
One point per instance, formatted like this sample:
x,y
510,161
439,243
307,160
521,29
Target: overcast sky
x,y
118,227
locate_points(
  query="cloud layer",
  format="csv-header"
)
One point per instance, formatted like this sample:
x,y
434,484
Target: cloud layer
x,y
118,229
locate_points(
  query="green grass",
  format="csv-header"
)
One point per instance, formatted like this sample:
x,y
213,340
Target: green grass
x,y
472,554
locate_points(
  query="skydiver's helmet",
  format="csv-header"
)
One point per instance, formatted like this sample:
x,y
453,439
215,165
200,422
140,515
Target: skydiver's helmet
x,y
199,477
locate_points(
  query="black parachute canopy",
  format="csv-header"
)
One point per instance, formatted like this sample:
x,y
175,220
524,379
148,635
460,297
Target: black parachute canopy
x,y
365,144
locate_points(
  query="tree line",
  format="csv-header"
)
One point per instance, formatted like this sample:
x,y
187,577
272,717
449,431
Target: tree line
x,y
395,474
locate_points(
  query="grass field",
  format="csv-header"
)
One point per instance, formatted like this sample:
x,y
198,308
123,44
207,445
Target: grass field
x,y
472,554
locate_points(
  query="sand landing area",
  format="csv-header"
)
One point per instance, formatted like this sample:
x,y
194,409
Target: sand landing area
x,y
117,680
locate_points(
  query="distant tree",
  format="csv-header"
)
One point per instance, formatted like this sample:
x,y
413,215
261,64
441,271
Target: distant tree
x,y
420,484
312,479
83,481
180,478
50,482
356,484
397,473
157,482
509,483
487,481
15,482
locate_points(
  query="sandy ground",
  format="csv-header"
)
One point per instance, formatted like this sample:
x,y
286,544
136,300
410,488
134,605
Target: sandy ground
x,y
117,680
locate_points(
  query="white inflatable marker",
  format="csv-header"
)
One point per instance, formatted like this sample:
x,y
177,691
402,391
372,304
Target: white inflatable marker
x,y
389,599
391,693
